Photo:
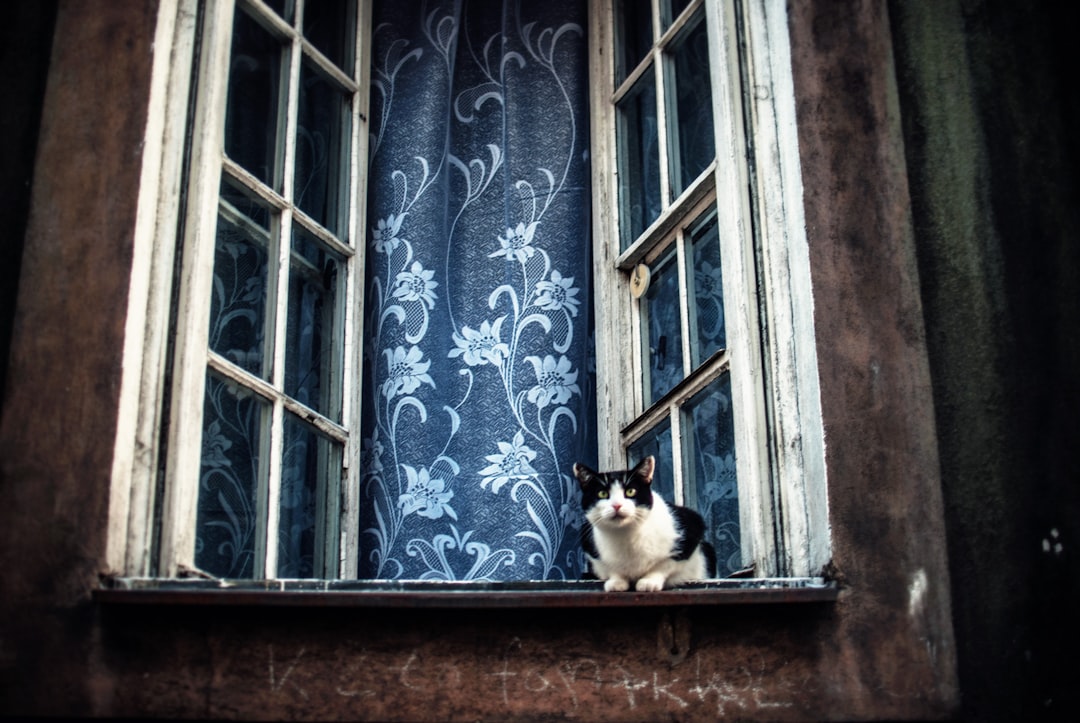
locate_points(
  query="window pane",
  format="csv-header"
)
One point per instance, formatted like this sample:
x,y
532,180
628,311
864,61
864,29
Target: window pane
x,y
639,160
322,150
657,442
238,315
707,302
661,330
314,330
693,145
233,427
711,484
329,25
236,198
309,463
635,35
670,11
284,8
252,114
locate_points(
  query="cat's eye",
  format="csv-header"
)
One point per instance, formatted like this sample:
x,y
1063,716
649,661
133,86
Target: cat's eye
x,y
602,494
631,491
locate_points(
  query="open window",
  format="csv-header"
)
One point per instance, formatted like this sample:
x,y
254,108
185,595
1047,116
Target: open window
x,y
707,352
243,456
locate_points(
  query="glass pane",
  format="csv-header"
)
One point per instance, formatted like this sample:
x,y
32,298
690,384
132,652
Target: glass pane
x,y
330,26
711,483
670,11
657,442
635,35
233,427
322,151
314,330
284,8
238,314
692,143
239,200
252,112
639,160
661,330
309,462
707,302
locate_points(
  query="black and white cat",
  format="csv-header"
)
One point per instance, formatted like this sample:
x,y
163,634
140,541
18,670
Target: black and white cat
x,y
633,536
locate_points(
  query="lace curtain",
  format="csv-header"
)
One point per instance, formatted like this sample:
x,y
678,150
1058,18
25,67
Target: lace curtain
x,y
477,348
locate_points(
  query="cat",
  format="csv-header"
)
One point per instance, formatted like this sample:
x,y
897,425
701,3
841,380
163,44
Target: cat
x,y
633,537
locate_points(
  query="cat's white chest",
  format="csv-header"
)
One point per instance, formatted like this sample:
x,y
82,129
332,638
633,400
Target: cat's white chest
x,y
634,550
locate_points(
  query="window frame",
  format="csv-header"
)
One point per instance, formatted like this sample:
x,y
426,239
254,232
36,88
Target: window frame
x,y
158,454
143,519
756,184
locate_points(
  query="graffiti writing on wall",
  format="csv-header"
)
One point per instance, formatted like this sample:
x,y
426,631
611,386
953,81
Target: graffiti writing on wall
x,y
532,681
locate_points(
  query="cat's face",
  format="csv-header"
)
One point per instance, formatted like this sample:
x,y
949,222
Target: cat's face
x,y
616,499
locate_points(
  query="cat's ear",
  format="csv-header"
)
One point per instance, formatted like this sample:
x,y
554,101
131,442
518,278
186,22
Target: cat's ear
x,y
644,470
583,474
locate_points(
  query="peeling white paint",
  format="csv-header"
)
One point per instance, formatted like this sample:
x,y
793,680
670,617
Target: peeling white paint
x,y
917,593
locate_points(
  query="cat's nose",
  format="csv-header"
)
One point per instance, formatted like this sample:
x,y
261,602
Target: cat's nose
x,y
616,507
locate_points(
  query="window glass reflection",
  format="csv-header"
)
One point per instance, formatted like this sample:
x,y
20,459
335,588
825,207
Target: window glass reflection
x,y
657,442
639,160
661,330
322,151
253,110
693,146
313,351
711,482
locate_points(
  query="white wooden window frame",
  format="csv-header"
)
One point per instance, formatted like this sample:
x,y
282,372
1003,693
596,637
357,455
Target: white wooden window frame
x,y
771,355
779,437
146,516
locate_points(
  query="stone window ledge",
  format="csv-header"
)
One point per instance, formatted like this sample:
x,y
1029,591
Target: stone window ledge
x,y
464,595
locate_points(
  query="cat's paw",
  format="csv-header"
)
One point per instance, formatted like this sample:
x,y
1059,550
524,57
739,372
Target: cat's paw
x,y
617,584
650,583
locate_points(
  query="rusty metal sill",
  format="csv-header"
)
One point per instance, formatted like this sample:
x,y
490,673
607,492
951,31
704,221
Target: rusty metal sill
x,y
463,595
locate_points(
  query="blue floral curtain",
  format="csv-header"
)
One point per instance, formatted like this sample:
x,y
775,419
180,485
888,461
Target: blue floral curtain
x,y
478,303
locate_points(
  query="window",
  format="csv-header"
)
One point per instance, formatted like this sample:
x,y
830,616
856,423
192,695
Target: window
x,y
254,435
698,224
275,388
258,410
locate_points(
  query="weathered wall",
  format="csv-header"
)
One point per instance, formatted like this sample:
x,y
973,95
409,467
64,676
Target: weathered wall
x,y
64,373
884,650
876,400
990,112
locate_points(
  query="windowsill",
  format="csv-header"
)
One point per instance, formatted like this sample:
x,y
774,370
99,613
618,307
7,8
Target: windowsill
x,y
419,594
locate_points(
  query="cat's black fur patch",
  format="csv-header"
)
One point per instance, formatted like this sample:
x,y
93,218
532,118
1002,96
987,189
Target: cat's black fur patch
x,y
692,526
592,483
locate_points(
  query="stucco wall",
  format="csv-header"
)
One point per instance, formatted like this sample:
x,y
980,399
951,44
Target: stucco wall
x,y
64,370
883,650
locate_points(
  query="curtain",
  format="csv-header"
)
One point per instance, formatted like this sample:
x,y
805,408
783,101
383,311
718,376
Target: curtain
x,y
477,302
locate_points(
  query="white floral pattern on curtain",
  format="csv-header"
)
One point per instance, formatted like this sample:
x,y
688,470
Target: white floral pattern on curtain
x,y
478,303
